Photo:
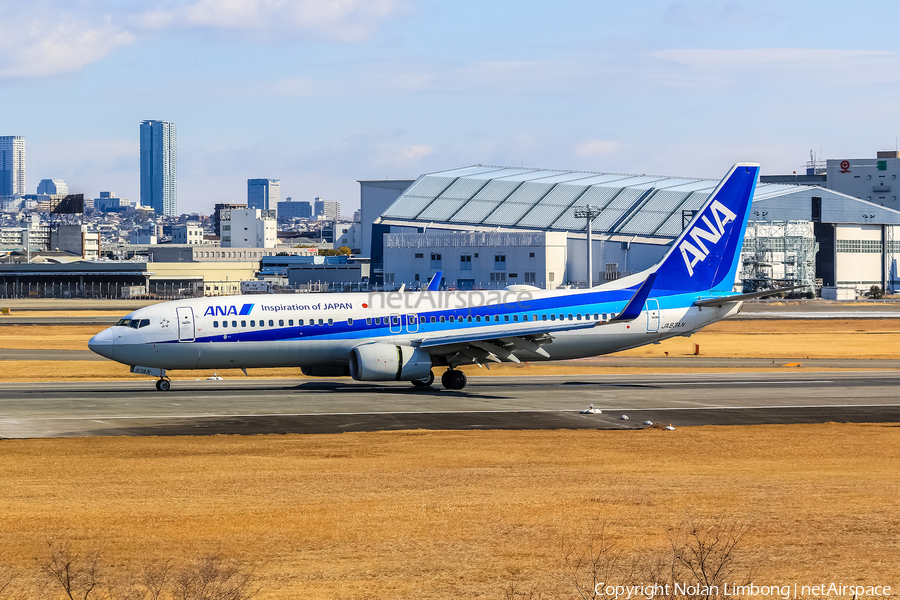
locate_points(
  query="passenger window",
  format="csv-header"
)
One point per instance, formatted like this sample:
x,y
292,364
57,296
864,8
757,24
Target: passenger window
x,y
452,319
506,318
234,323
524,317
281,322
395,320
570,316
243,323
300,322
271,323
433,320
290,322
578,316
368,321
224,323
331,321
469,319
443,320
252,323
596,317
543,317
215,324
321,322
515,317
552,317
496,318
478,319
349,321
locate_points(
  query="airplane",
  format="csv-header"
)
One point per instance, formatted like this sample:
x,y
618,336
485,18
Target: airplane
x,y
404,336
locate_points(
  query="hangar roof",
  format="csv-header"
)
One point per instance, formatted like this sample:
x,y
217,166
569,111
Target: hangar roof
x,y
520,198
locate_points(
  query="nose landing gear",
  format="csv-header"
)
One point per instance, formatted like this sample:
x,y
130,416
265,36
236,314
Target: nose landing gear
x,y
453,379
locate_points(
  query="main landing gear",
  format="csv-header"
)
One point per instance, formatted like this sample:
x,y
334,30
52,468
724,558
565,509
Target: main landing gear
x,y
453,379
163,385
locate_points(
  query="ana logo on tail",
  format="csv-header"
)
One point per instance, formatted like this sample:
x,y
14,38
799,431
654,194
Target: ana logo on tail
x,y
697,249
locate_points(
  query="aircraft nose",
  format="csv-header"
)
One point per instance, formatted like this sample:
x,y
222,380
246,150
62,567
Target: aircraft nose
x,y
102,343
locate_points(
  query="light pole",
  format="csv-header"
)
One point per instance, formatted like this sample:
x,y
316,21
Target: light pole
x,y
590,213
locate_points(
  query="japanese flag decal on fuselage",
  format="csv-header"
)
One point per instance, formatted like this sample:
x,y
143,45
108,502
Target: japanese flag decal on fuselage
x,y
697,249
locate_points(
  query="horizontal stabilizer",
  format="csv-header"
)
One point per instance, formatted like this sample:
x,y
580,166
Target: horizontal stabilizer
x,y
435,283
742,297
635,306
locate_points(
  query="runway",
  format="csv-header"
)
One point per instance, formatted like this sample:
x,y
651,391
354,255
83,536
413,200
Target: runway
x,y
552,402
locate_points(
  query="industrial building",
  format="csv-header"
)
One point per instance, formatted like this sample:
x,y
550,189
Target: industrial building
x,y
639,216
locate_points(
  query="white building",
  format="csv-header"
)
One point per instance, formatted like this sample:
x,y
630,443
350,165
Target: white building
x,y
248,228
191,234
33,233
874,180
12,165
348,234
326,210
52,186
476,260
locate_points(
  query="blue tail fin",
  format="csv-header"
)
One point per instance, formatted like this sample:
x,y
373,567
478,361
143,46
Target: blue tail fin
x,y
706,254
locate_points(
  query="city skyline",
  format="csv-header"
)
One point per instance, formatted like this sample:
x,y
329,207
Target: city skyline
x,y
398,88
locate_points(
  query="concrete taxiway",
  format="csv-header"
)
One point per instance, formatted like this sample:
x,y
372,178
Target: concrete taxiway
x,y
552,402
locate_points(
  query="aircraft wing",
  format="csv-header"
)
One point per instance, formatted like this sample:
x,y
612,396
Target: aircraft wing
x,y
741,297
493,345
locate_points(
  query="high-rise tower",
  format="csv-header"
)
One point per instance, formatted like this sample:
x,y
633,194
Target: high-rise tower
x,y
12,165
159,181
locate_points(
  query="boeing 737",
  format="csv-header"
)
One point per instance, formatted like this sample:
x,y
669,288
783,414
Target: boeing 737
x,y
403,336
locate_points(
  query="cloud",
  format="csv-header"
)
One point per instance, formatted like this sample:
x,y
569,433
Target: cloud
x,y
40,47
595,148
342,20
403,155
706,58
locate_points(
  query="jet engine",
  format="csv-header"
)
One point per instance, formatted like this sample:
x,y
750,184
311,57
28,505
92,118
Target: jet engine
x,y
386,362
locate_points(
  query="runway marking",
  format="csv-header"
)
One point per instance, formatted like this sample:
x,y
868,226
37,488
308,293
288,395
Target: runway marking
x,y
451,412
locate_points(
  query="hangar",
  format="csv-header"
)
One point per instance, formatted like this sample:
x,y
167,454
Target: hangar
x,y
855,241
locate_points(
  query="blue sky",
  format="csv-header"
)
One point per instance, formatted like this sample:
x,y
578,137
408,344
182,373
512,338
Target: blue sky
x,y
321,93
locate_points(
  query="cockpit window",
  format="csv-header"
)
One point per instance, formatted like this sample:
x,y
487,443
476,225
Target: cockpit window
x,y
133,323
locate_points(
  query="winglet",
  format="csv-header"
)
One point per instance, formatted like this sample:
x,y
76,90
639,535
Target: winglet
x,y
435,283
634,307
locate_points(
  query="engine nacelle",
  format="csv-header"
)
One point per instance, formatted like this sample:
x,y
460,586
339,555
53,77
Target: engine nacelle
x,y
386,362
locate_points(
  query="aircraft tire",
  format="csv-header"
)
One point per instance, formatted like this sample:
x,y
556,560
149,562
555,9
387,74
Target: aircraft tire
x,y
453,379
163,385
424,382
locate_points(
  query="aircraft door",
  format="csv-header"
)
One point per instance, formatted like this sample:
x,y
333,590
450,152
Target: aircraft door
x,y
185,324
652,307
395,325
412,323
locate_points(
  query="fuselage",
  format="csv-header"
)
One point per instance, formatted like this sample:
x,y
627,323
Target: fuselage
x,y
312,330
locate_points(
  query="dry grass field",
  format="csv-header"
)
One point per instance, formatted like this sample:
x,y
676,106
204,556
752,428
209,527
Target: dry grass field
x,y
458,514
